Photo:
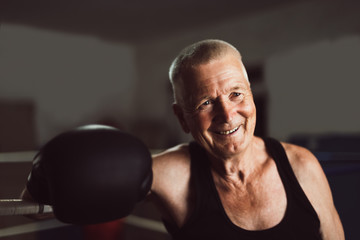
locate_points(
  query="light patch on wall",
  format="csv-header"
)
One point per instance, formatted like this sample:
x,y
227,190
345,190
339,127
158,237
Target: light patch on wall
x,y
314,88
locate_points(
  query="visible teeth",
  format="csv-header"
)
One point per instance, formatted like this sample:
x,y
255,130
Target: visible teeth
x,y
228,132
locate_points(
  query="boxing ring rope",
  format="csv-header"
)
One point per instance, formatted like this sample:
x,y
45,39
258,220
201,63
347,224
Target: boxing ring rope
x,y
17,157
31,227
19,207
54,223
13,207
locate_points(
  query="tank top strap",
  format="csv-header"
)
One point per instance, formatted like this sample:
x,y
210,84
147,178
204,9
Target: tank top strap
x,y
287,175
199,179
277,152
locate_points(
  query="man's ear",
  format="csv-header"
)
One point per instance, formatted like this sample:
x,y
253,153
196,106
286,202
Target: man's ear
x,y
180,115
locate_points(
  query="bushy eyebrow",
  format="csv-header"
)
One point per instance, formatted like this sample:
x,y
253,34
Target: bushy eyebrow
x,y
240,87
237,88
203,98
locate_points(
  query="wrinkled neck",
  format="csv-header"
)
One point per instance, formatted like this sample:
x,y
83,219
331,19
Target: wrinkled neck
x,y
236,168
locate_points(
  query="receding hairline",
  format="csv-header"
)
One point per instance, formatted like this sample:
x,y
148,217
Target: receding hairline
x,y
201,52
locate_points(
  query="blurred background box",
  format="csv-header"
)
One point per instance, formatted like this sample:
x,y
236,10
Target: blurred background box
x,y
17,121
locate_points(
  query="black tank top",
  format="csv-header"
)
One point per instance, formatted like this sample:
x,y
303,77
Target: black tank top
x,y
210,221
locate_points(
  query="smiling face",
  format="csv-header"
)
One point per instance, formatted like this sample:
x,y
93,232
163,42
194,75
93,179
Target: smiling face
x,y
217,106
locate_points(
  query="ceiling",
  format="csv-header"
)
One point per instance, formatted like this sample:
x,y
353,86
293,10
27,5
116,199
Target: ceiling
x,y
128,20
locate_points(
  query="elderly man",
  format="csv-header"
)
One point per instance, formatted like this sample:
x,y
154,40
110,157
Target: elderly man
x,y
228,183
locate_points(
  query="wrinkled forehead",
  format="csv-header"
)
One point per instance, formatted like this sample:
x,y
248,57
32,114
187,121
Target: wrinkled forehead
x,y
200,78
229,66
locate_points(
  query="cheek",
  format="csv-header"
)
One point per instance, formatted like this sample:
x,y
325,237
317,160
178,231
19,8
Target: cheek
x,y
201,122
249,110
251,117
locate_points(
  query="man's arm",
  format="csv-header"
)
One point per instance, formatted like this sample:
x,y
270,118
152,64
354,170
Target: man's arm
x,y
170,190
316,187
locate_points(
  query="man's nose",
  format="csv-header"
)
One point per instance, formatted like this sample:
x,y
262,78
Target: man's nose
x,y
224,112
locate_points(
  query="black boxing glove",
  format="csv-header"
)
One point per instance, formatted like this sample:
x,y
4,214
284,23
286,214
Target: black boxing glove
x,y
91,174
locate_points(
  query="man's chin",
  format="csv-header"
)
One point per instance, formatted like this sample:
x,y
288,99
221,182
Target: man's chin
x,y
224,147
228,150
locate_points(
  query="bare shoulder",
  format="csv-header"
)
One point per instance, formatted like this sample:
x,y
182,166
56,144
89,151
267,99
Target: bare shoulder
x,y
308,172
170,190
172,159
171,167
303,162
313,181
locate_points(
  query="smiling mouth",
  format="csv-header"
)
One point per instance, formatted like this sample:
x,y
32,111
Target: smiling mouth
x,y
229,132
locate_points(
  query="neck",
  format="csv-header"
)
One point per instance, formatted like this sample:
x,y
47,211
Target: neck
x,y
238,167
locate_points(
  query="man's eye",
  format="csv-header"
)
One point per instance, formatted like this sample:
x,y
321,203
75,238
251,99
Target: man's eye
x,y
238,95
206,103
